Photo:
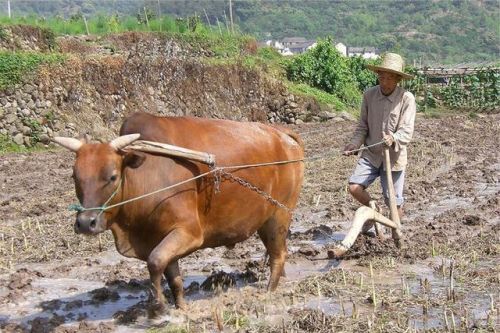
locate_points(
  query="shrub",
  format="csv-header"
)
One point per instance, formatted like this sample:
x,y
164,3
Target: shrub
x,y
364,77
325,68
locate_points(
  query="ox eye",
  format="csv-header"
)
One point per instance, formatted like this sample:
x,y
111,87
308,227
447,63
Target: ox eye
x,y
113,178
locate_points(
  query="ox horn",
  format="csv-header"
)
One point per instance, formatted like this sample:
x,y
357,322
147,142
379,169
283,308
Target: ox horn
x,y
69,143
123,141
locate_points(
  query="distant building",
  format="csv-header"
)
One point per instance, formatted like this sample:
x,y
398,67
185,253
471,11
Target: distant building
x,y
275,44
298,45
286,52
291,45
299,48
341,48
291,41
366,52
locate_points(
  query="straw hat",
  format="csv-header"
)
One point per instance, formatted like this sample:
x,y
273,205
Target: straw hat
x,y
392,63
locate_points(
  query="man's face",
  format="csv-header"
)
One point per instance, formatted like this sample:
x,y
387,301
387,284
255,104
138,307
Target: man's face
x,y
388,82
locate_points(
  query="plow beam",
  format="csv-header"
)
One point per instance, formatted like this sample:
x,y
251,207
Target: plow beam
x,y
362,215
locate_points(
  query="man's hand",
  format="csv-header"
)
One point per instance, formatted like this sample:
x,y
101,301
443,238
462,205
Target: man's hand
x,y
348,150
388,139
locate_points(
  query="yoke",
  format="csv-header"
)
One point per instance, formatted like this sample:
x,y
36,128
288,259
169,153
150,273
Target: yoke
x,y
166,149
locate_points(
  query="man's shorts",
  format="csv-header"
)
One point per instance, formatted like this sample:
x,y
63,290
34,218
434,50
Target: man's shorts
x,y
365,174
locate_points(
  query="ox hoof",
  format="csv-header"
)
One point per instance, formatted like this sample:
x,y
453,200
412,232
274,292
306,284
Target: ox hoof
x,y
156,309
398,243
181,304
337,252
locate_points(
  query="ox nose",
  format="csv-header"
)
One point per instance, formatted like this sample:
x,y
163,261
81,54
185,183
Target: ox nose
x,y
86,223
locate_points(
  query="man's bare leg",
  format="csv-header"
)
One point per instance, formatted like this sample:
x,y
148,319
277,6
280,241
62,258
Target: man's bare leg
x,y
360,194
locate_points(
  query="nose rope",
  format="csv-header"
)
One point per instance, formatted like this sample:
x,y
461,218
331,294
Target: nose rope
x,y
79,208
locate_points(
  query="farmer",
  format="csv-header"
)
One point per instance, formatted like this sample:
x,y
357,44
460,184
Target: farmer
x,y
388,115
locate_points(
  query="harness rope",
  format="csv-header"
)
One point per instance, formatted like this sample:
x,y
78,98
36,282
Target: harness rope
x,y
218,171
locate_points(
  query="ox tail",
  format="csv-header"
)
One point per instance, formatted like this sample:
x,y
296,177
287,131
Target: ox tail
x,y
296,137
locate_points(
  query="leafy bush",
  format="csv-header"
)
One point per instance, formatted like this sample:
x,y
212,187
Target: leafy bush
x,y
364,77
325,68
480,90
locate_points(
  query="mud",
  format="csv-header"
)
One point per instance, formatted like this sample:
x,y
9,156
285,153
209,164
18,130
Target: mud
x,y
446,275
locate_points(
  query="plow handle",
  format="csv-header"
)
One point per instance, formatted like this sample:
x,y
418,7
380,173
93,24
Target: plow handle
x,y
396,233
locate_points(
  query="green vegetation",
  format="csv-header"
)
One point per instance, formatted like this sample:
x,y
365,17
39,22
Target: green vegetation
x,y
234,319
323,67
14,65
221,42
103,24
36,129
321,96
322,73
171,328
7,146
428,32
479,91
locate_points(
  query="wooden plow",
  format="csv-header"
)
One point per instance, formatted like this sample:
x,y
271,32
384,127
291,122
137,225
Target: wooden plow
x,y
364,214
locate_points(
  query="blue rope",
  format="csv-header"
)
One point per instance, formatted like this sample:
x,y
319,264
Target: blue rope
x,y
79,208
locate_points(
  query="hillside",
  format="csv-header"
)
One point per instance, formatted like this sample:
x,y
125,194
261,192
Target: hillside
x,y
94,82
430,32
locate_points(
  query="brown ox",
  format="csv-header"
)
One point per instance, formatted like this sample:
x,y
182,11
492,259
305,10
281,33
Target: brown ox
x,y
169,225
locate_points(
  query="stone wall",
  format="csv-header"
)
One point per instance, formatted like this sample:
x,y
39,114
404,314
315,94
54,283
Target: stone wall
x,y
92,93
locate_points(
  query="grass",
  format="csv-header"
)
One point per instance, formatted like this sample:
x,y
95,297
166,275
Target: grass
x,y
171,328
15,65
104,24
435,112
222,46
98,24
7,146
321,96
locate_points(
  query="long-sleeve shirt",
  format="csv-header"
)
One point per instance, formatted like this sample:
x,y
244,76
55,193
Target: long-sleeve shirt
x,y
394,114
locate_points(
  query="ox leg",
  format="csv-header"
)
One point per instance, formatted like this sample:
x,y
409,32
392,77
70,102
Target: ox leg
x,y
273,234
175,283
175,245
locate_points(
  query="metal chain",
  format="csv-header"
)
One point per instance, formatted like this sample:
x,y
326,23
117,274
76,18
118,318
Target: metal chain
x,y
254,188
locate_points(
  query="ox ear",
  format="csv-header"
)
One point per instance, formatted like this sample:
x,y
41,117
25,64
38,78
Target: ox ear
x,y
133,159
69,143
123,141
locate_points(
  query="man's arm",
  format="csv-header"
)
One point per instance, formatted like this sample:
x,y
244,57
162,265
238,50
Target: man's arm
x,y
404,133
